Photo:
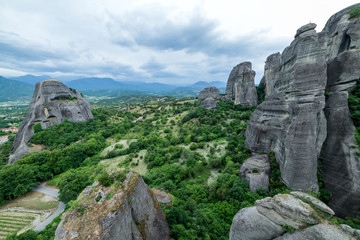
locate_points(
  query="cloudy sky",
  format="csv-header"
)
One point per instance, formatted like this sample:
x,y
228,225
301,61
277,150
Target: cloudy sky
x,y
168,41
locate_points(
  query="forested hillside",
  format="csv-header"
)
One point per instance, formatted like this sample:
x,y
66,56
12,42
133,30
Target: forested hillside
x,y
183,149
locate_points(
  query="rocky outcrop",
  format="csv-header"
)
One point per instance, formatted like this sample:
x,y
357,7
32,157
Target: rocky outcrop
x,y
241,86
52,102
125,212
209,92
256,171
291,121
272,66
209,103
340,164
299,124
276,217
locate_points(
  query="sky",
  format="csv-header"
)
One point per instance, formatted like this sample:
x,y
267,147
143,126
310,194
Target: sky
x,y
169,41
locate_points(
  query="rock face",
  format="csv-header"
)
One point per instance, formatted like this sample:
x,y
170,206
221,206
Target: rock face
x,y
131,213
52,102
256,171
288,118
240,85
208,97
340,164
271,217
209,103
299,124
209,92
272,65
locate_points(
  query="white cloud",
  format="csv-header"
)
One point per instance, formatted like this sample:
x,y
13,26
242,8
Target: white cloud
x,y
150,40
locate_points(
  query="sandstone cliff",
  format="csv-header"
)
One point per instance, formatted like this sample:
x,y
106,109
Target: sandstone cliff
x,y
52,102
299,124
125,212
294,216
240,85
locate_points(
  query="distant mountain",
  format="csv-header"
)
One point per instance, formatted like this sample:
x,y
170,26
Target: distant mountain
x,y
31,79
11,90
94,84
202,84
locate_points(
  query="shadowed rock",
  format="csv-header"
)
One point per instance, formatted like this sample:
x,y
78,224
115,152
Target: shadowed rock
x,y
240,85
291,121
130,212
52,102
272,66
256,171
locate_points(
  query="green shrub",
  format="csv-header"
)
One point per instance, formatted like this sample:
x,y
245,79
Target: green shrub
x,y
106,180
354,12
37,128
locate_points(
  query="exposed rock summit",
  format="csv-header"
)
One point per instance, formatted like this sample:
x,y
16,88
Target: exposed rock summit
x,y
115,213
241,86
52,102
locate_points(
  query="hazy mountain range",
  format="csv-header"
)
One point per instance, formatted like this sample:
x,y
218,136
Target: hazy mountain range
x,y
23,86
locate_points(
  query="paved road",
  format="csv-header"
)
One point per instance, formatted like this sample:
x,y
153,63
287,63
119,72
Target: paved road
x,y
61,208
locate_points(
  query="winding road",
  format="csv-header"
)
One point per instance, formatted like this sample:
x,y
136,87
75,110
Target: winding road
x,y
59,210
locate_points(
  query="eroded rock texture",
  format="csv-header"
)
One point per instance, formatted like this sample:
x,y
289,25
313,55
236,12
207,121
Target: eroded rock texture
x,y
52,102
340,164
212,92
240,85
299,211
291,121
256,171
131,212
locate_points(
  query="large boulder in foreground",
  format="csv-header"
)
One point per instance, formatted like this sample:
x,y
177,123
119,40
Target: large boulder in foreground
x,y
256,171
126,212
52,102
288,216
241,86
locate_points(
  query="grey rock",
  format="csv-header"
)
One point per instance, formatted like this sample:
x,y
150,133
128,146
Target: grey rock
x,y
316,202
241,86
272,67
256,171
212,92
319,231
209,103
132,213
270,216
249,224
341,169
48,109
305,28
291,121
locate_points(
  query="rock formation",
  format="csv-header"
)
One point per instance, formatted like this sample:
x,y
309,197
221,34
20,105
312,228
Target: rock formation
x,y
240,85
256,171
291,121
271,218
272,65
52,102
209,92
298,124
340,164
115,213
208,97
